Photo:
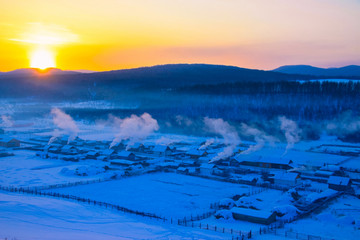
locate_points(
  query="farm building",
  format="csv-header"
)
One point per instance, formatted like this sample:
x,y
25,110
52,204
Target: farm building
x,y
195,154
136,147
206,169
255,216
290,179
9,142
182,170
126,155
92,155
264,162
123,163
161,150
339,183
70,150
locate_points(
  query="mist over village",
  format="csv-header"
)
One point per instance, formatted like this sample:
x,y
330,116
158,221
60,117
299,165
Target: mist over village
x,y
160,119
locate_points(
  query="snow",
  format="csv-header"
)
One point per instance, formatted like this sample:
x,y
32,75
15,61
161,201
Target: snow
x,y
334,222
251,212
164,194
336,180
30,217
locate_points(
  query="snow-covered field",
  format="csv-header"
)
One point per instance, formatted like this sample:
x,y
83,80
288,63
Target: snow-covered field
x,y
26,170
164,194
39,218
339,220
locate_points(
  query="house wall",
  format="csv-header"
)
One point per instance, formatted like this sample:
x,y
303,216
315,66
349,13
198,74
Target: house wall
x,y
253,219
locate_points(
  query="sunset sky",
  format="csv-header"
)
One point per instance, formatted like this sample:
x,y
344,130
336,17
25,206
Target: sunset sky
x,y
115,34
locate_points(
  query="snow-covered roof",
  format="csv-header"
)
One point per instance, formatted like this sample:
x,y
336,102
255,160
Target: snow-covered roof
x,y
258,158
108,151
124,154
181,169
315,196
289,176
91,153
325,173
251,212
67,147
168,164
336,180
195,152
7,139
207,166
122,162
160,148
135,145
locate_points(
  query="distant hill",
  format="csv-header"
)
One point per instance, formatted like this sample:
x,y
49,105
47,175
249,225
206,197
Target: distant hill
x,y
347,71
56,83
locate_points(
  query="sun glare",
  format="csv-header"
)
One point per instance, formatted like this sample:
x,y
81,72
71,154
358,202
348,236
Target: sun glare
x,y
42,58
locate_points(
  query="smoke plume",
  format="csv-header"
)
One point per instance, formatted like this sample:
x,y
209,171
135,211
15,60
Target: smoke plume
x,y
207,143
134,128
64,122
345,124
260,137
228,132
6,121
291,131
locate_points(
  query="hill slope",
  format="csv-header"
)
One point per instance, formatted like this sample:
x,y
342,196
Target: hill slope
x,y
347,71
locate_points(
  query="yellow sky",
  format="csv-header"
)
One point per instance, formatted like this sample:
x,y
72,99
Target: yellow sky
x,y
115,34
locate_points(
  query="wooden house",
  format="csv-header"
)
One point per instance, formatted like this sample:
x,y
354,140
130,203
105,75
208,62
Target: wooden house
x,y
9,142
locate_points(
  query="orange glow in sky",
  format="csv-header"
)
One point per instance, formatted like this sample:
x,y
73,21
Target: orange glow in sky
x,y
113,34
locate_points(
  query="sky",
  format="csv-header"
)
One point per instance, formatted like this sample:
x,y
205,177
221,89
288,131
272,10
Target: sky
x,y
115,34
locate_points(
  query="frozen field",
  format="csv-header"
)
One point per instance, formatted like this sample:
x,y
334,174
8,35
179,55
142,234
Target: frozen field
x,y
164,194
26,170
339,220
38,218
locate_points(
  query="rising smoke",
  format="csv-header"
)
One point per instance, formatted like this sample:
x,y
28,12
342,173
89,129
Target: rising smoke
x,y
345,124
228,132
260,137
64,122
6,121
291,131
134,128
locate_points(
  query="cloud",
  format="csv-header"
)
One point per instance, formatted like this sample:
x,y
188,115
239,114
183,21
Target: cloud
x,y
46,34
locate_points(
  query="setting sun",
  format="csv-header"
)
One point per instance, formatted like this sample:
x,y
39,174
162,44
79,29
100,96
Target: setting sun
x,y
42,58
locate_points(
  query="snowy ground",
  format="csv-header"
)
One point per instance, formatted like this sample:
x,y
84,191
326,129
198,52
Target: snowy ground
x,y
164,194
26,170
336,221
29,217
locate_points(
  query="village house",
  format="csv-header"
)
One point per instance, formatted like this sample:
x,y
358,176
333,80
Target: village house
x,y
122,163
289,179
264,162
125,155
69,150
254,216
196,154
136,147
339,183
92,155
161,150
182,170
206,169
9,142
